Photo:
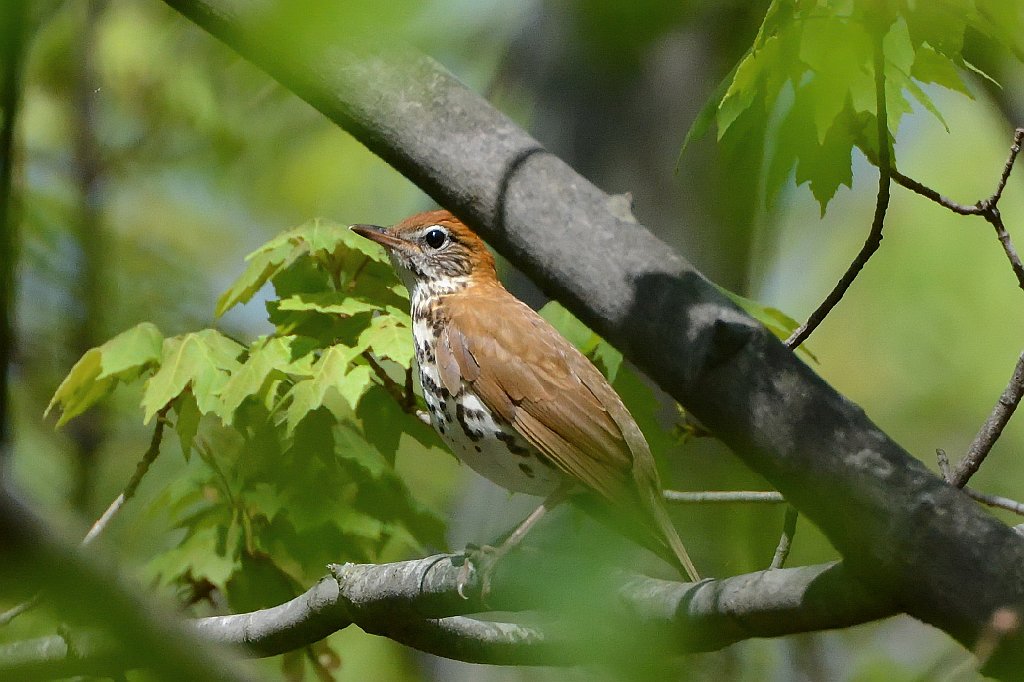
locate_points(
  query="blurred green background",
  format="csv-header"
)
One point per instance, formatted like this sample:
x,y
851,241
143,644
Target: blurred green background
x,y
151,159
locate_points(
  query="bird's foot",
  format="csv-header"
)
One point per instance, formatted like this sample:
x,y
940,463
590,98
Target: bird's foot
x,y
481,559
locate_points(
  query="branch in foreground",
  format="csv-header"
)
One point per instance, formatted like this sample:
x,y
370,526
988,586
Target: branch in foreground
x,y
34,557
417,603
101,523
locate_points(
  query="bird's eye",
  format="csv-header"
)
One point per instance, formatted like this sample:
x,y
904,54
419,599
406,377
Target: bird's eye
x,y
436,238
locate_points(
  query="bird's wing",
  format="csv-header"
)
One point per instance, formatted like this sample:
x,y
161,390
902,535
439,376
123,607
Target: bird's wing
x,y
526,372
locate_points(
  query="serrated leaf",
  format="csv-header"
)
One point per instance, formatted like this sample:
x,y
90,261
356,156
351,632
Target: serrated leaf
x,y
932,67
926,101
187,422
201,360
125,355
275,353
264,263
356,381
330,371
742,91
389,336
197,556
81,388
708,113
98,371
333,302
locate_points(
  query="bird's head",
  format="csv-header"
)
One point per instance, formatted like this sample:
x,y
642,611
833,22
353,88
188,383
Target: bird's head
x,y
434,249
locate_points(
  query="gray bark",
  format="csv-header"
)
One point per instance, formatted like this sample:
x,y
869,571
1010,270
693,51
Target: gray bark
x,y
417,603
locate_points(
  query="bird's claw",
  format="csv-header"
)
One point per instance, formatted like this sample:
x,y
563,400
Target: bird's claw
x,y
482,559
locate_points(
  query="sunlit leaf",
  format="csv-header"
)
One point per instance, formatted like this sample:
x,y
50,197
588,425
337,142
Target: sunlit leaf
x,y
334,302
389,336
81,388
128,353
96,374
201,360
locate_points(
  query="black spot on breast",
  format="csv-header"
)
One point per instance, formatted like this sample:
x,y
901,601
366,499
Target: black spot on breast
x,y
545,461
526,469
510,442
477,448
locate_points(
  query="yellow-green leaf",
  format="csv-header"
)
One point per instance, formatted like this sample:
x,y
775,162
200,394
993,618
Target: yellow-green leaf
x,y
125,355
81,388
389,336
201,360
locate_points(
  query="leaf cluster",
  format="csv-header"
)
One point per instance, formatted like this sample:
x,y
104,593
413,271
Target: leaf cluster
x,y
806,92
296,432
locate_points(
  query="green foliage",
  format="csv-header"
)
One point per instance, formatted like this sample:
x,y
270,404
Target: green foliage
x,y
810,79
295,433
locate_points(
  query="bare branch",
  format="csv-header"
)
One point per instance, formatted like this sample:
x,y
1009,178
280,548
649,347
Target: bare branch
x,y
786,540
992,428
986,208
148,457
724,496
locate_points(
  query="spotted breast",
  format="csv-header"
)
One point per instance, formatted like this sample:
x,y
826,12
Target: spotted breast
x,y
479,437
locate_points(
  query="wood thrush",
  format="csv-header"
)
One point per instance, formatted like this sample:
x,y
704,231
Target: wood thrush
x,y
511,397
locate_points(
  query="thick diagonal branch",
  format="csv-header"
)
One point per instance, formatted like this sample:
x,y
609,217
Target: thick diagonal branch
x,y
896,524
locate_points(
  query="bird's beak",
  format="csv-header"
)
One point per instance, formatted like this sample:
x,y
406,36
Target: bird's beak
x,y
376,233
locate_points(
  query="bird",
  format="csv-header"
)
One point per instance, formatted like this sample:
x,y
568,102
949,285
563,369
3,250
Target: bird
x,y
512,398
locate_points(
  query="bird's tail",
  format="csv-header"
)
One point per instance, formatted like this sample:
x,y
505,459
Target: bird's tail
x,y
675,544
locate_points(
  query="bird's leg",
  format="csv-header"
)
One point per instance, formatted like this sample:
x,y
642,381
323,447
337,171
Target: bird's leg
x,y
487,557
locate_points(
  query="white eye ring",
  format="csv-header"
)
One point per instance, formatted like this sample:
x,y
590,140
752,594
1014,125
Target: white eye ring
x,y
435,237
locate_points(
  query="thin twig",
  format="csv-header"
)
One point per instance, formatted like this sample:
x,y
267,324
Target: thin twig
x,y
394,389
929,193
986,208
874,238
709,496
18,609
992,428
1018,138
996,501
786,541
133,483
990,500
